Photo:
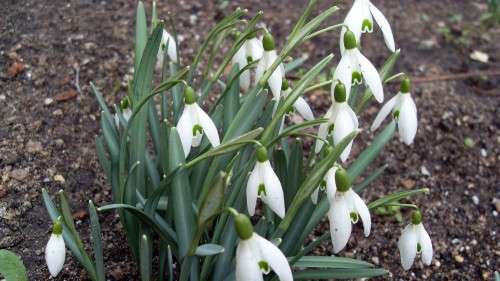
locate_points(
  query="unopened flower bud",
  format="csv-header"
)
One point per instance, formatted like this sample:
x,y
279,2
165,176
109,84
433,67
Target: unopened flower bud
x,y
268,42
342,180
339,92
189,95
349,40
243,226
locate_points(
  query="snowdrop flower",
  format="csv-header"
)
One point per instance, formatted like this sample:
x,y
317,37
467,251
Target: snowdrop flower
x,y
126,111
255,255
415,240
342,121
194,122
346,207
403,110
300,105
328,184
250,51
264,183
55,251
359,20
268,58
353,68
169,45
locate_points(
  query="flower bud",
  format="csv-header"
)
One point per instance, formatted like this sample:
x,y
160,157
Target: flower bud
x,y
349,40
342,180
416,217
243,226
124,103
189,95
339,92
268,42
405,86
262,154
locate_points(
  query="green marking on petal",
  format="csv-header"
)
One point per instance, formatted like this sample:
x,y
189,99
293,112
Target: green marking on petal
x,y
322,185
264,267
395,114
419,248
57,228
367,26
261,190
357,78
197,129
249,60
330,128
354,217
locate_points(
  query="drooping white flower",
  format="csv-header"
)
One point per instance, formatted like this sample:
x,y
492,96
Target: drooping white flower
x,y
300,105
415,240
264,183
169,45
55,251
360,20
125,110
256,256
194,123
343,120
328,183
346,207
353,68
250,51
268,58
404,111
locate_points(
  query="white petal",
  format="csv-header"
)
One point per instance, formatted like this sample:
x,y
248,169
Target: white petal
x,y
384,111
343,126
315,195
208,126
340,223
196,140
254,49
323,131
354,21
185,130
253,188
362,210
407,245
245,80
331,186
261,68
282,124
168,41
127,113
371,76
274,192
276,78
55,254
275,258
425,244
384,26
303,109
247,267
343,73
407,122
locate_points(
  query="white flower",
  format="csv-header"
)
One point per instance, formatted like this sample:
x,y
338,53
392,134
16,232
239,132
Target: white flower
x,y
404,110
346,207
193,123
328,183
167,43
55,251
342,118
300,105
264,183
359,20
353,68
251,50
415,239
268,58
255,255
126,113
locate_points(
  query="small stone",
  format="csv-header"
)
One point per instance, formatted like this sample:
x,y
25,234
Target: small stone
x,y
486,275
19,174
496,202
80,215
483,152
65,96
15,69
480,56
376,260
3,191
57,112
59,178
424,171
409,184
3,97
458,258
34,146
469,142
48,101
117,274
59,142
437,263
475,200
38,252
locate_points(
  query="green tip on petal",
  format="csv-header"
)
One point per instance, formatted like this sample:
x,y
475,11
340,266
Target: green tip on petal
x,y
243,226
416,217
405,86
342,180
339,92
268,42
189,95
262,154
57,228
284,85
367,25
124,103
349,40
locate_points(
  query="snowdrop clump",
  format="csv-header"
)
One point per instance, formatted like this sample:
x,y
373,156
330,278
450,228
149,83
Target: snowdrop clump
x,y
193,148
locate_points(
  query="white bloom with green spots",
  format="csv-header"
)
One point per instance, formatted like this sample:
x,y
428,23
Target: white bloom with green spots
x,y
55,251
168,46
415,240
268,58
251,50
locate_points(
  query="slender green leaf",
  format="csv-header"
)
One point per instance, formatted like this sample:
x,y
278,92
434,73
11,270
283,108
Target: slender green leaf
x,y
146,257
209,250
395,197
327,274
97,242
141,32
297,128
331,262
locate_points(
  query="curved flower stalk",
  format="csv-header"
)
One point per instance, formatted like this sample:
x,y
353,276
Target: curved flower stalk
x,y
415,240
194,122
169,45
264,183
403,110
250,51
55,251
268,58
353,68
346,207
360,20
126,111
327,183
342,121
255,255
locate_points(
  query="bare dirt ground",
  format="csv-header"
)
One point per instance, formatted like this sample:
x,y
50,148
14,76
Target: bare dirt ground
x,y
48,125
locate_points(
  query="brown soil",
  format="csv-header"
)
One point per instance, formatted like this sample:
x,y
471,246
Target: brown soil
x,y
42,43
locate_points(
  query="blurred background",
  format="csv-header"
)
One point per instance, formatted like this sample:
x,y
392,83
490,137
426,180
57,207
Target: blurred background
x,y
51,50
